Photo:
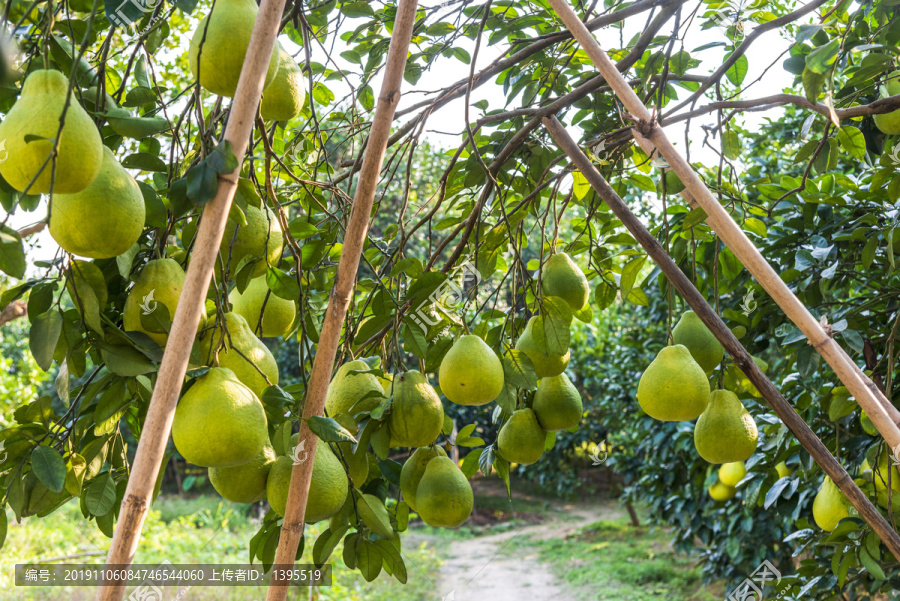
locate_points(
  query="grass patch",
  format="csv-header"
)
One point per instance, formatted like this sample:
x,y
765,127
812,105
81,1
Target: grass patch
x,y
196,530
633,564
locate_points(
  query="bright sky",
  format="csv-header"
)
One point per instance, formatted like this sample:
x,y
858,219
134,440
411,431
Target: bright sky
x,y
446,125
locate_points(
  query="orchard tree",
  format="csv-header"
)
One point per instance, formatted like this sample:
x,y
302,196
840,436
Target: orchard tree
x,y
499,304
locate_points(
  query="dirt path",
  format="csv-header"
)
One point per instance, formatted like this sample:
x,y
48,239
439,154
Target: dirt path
x,y
501,567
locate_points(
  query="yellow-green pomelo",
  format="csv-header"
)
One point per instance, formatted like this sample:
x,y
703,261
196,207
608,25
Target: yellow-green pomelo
x,y
159,283
37,113
103,220
417,415
563,278
783,470
327,489
744,382
557,403
84,275
219,422
284,98
414,469
245,483
261,240
220,42
521,439
444,497
721,492
693,334
889,123
277,313
546,364
886,470
673,387
347,389
732,473
725,432
828,506
470,372
239,350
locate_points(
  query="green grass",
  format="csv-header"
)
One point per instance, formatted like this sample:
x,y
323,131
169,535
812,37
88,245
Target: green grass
x,y
614,561
197,530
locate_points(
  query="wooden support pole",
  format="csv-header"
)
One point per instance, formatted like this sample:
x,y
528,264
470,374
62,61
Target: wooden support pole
x,y
741,357
883,414
345,281
155,434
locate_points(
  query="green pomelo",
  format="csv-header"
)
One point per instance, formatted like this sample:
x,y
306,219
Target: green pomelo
x,y
103,220
470,372
417,415
693,334
563,278
347,389
245,483
444,497
236,348
36,115
284,98
725,432
673,387
277,313
159,283
557,403
220,42
521,439
328,487
219,422
414,469
532,342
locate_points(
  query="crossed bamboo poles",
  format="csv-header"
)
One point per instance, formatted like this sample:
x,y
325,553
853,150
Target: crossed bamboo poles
x,y
648,135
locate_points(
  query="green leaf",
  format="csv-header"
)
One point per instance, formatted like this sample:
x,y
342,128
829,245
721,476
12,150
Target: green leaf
x,y
127,125
373,517
145,162
812,85
629,274
604,294
357,9
100,495
822,58
12,253
870,564
222,159
43,336
126,361
738,71
581,187
368,560
518,369
282,284
731,144
3,525
49,467
471,463
158,320
325,544
202,183
393,561
554,322
329,430
852,141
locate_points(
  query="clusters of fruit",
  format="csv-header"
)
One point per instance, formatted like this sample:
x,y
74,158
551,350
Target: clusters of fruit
x,y
675,387
53,145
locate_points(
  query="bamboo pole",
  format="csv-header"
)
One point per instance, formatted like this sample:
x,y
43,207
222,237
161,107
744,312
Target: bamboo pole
x,y
341,294
741,357
158,424
883,414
